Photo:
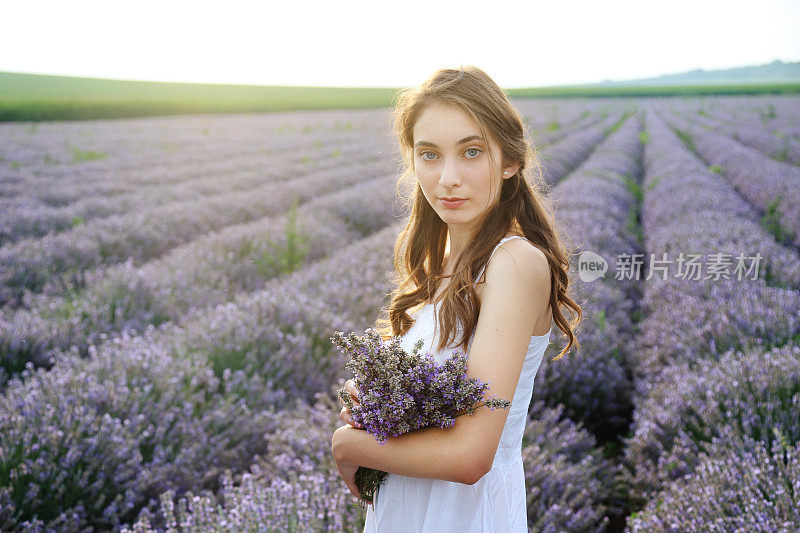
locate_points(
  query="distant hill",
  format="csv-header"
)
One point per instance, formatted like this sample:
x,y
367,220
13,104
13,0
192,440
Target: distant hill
x,y
44,97
775,72
31,97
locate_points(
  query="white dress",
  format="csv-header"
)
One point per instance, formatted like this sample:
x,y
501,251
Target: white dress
x,y
497,502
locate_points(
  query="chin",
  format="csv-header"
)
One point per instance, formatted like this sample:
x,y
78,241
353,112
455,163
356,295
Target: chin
x,y
456,218
449,214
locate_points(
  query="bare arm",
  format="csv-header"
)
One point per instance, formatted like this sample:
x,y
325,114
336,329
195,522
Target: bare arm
x,y
430,452
515,296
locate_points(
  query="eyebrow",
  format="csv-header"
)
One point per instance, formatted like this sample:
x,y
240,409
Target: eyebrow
x,y
462,141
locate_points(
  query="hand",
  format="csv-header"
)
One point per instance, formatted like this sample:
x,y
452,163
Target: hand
x,y
347,471
344,414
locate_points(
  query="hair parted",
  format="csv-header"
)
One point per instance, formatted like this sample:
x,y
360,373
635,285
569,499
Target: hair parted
x,y
523,206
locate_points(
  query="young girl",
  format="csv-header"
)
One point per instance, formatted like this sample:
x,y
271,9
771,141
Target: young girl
x,y
481,265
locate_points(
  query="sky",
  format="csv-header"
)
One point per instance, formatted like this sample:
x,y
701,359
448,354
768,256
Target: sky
x,y
374,43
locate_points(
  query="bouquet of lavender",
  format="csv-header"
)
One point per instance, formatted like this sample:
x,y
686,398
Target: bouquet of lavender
x,y
400,392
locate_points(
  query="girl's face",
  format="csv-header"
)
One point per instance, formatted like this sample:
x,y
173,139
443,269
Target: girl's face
x,y
451,161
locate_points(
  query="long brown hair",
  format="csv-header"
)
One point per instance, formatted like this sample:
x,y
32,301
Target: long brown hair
x,y
522,206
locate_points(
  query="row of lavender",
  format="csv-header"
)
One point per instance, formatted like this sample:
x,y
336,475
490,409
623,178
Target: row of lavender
x,y
27,265
39,150
205,272
214,268
716,433
775,144
597,208
52,197
777,115
754,125
114,174
56,204
234,355
771,186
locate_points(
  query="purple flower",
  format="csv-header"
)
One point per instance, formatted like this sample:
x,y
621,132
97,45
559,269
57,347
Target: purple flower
x,y
400,392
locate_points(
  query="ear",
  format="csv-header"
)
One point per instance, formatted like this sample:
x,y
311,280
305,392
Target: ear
x,y
510,170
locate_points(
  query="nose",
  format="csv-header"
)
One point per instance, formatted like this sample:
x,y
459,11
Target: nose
x,y
450,176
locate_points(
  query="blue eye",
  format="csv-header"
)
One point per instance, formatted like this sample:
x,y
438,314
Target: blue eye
x,y
476,152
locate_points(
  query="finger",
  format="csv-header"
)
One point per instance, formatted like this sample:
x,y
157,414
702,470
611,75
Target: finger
x,y
353,487
350,386
346,389
350,390
347,418
354,397
347,481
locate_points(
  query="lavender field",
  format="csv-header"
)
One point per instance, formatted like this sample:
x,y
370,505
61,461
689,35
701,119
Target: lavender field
x,y
169,286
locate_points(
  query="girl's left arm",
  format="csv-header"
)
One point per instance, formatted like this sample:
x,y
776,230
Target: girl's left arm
x,y
515,296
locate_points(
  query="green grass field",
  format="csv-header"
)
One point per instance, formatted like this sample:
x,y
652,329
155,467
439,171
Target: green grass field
x,y
32,97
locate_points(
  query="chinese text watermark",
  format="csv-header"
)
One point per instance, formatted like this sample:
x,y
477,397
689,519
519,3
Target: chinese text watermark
x,y
688,266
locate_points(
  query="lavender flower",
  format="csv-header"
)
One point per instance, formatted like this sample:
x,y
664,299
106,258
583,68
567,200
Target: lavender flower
x,y
741,490
400,392
293,487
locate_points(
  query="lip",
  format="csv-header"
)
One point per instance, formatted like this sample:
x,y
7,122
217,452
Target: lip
x,y
452,203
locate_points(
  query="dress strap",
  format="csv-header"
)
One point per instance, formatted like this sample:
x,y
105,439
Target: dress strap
x,y
504,239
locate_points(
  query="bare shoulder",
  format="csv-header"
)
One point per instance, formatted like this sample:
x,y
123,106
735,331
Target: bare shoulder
x,y
520,262
518,282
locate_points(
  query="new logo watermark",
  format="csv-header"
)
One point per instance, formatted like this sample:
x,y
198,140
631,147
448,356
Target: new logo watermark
x,y
691,266
591,266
